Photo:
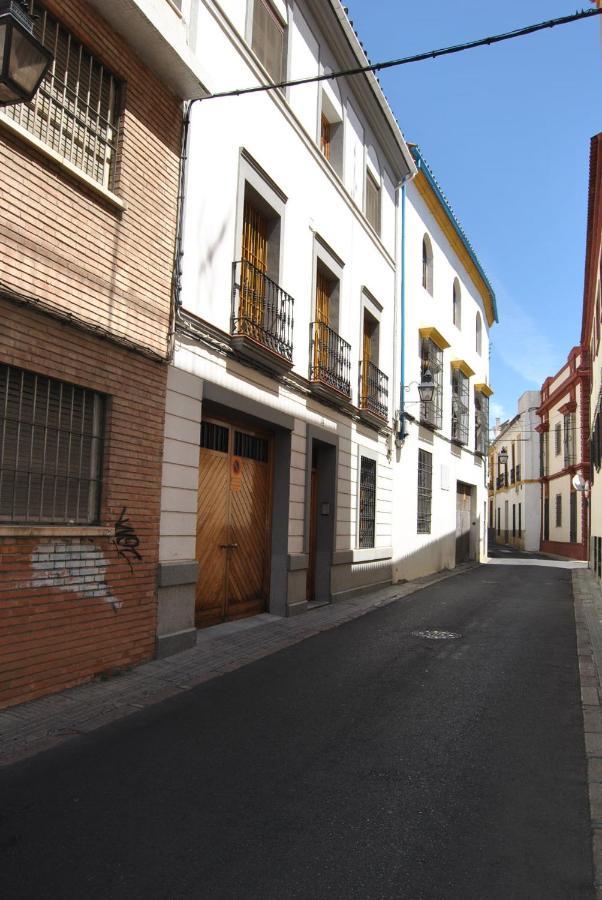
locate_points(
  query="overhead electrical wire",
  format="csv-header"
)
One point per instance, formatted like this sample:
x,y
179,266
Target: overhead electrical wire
x,y
405,60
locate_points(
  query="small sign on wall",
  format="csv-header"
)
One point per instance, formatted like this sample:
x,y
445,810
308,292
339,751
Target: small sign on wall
x,y
236,474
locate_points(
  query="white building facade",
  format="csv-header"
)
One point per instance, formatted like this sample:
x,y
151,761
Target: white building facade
x,y
515,470
278,472
448,307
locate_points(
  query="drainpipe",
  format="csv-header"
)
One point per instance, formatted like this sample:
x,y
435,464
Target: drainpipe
x,y
401,435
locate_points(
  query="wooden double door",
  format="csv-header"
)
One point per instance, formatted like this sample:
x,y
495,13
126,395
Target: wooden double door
x,y
233,523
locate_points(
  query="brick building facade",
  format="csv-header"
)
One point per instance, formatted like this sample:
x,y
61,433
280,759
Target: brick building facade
x,y
88,215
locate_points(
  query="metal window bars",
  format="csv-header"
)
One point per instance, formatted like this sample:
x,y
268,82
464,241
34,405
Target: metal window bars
x,y
432,361
331,359
75,110
481,405
374,389
569,439
459,430
51,447
262,310
425,491
367,512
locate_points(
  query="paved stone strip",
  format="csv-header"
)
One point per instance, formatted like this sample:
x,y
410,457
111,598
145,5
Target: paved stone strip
x,y
588,618
41,724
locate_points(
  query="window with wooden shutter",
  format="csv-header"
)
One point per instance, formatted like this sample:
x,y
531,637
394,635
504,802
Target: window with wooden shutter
x,y
51,436
75,110
268,39
373,201
325,137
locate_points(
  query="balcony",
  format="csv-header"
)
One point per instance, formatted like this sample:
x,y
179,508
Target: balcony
x,y
330,372
374,393
517,474
262,319
512,475
501,480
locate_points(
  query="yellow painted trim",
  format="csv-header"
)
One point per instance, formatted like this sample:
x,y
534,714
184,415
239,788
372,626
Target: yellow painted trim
x,y
484,389
434,205
463,366
431,334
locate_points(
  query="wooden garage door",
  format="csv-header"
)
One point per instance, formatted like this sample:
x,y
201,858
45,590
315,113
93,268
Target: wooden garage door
x,y
233,534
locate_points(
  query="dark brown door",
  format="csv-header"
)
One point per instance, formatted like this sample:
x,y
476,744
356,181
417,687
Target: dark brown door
x,y
313,530
234,506
463,497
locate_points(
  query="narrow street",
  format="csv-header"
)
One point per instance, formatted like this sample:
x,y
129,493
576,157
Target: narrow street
x,y
363,762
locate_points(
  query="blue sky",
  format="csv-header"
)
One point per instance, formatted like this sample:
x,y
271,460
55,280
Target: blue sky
x,y
506,131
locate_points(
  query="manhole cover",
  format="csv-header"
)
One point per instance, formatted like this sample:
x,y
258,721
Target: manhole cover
x,y
437,635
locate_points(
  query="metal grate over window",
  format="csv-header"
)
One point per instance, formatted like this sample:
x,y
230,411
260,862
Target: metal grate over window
x,y
558,510
75,110
481,414
432,361
569,439
50,450
367,501
425,491
214,437
250,447
459,430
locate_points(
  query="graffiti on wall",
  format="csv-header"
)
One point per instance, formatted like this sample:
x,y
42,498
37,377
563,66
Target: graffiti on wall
x,y
126,540
75,566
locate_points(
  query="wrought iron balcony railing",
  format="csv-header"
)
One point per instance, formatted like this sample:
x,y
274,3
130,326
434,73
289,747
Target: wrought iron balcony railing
x,y
518,473
512,475
261,310
501,480
374,390
330,359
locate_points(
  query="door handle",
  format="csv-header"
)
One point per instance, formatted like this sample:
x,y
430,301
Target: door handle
x,y
229,546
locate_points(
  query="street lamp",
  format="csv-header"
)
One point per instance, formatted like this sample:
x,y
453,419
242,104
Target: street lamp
x,y
426,388
24,61
503,456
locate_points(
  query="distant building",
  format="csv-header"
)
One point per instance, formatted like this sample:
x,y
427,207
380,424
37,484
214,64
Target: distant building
x,y
564,414
514,490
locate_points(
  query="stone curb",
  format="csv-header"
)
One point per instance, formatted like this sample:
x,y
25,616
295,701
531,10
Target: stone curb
x,y
588,620
41,724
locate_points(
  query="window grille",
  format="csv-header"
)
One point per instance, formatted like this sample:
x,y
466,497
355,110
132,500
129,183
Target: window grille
x,y
427,265
459,430
557,439
214,437
514,520
50,449
573,518
268,39
479,334
457,305
546,519
558,510
425,491
481,415
543,454
432,361
569,439
520,520
373,202
75,110
367,501
250,446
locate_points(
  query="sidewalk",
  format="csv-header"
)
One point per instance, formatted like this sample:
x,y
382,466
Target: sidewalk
x,y
41,724
588,618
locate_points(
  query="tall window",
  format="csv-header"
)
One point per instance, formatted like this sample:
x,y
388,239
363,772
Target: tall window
x,y
268,39
432,361
325,136
373,201
457,304
50,450
569,439
425,491
543,454
367,501
558,510
557,439
75,111
427,264
479,334
520,520
459,428
481,418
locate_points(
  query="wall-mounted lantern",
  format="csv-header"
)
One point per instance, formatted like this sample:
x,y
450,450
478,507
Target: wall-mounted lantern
x,y
24,61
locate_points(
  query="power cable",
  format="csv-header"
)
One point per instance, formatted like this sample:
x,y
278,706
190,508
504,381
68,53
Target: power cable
x,y
405,60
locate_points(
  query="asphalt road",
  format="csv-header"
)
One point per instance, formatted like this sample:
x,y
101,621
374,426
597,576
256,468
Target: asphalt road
x,y
362,763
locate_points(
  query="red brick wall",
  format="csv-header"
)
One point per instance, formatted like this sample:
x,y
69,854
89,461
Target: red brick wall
x,y
61,242
102,616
